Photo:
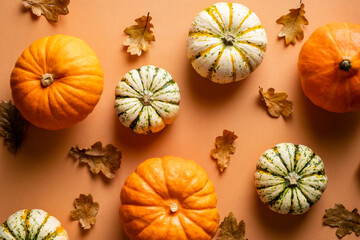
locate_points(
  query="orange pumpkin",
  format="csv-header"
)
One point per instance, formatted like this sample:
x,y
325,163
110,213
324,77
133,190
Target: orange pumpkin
x,y
56,82
328,66
169,198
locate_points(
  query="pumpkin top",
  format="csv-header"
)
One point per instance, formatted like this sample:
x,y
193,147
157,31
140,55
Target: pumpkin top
x,y
57,81
171,197
32,224
290,178
329,67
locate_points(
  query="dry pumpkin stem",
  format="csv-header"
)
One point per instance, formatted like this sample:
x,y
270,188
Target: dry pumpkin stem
x,y
12,126
105,159
293,25
49,8
230,230
224,147
140,35
276,103
346,221
85,210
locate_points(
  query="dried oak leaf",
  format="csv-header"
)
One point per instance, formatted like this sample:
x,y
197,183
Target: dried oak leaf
x,y
140,35
85,211
224,147
276,103
230,230
346,221
105,159
49,8
293,25
12,126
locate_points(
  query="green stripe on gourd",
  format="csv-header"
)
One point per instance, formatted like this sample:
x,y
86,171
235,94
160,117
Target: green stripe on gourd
x,y
290,178
33,224
226,42
147,99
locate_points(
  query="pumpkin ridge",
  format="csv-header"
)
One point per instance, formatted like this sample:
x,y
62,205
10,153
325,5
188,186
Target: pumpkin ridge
x,y
272,162
204,52
308,200
180,217
141,78
210,12
41,226
154,89
244,57
156,70
26,225
250,29
214,66
53,234
260,47
281,159
196,223
166,84
267,186
148,225
6,228
202,34
307,163
242,22
150,186
135,83
231,14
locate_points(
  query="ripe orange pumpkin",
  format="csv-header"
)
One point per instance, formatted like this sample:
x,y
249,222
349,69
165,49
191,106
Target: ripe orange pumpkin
x,y
169,198
56,82
329,67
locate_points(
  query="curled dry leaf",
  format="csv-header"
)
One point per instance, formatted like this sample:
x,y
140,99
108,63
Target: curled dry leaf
x,y
140,35
105,159
85,211
346,221
293,25
12,126
230,230
224,147
276,103
49,8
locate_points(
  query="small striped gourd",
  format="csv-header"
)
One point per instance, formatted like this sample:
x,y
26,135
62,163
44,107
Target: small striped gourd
x,y
147,99
290,178
32,224
226,42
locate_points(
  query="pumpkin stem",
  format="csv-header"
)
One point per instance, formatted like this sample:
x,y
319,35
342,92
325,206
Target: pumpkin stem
x,y
47,79
173,208
292,179
228,39
146,98
345,65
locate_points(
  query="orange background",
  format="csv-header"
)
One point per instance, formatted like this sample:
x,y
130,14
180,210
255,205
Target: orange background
x,y
42,176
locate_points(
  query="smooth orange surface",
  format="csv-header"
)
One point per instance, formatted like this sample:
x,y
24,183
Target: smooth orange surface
x,y
42,176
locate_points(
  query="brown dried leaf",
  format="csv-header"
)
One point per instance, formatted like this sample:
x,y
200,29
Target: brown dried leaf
x,y
346,221
140,35
230,230
49,8
85,211
223,149
276,103
12,126
293,25
105,159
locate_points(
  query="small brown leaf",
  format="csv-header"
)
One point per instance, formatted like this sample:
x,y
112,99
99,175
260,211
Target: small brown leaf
x,y
346,221
223,149
105,159
293,25
276,103
85,211
230,230
49,8
140,35
12,126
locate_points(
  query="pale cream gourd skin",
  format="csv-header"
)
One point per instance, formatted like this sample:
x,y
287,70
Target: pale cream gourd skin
x,y
32,224
147,99
290,178
226,42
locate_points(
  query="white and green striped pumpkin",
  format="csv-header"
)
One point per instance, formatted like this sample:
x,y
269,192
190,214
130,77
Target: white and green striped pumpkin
x,y
147,99
33,224
290,178
226,42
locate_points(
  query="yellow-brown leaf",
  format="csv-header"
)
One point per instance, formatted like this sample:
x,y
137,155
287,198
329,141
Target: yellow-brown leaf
x,y
85,211
49,8
140,35
276,103
224,147
293,25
